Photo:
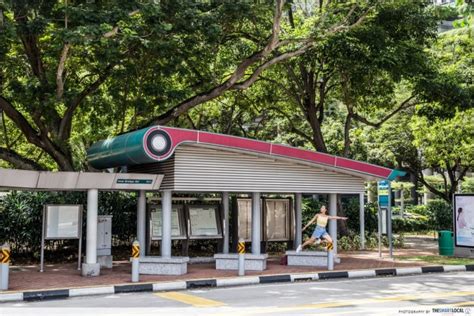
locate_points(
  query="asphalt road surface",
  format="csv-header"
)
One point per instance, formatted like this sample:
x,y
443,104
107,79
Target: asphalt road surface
x,y
428,294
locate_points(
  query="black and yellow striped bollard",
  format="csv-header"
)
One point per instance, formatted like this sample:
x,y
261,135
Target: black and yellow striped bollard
x,y
241,251
4,266
135,261
329,249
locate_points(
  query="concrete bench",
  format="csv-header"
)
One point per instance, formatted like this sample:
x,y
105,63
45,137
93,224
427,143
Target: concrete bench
x,y
309,258
164,266
231,261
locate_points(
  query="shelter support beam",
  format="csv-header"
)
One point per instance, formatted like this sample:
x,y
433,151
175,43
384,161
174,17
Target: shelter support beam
x,y
166,205
362,220
256,223
298,219
141,221
91,267
225,221
333,223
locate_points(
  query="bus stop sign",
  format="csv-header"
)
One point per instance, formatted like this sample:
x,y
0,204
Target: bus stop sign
x,y
383,193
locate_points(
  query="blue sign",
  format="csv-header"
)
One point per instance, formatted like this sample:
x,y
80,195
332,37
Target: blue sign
x,y
384,193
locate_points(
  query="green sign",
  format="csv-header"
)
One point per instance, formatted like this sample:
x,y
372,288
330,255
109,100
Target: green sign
x,y
134,181
384,193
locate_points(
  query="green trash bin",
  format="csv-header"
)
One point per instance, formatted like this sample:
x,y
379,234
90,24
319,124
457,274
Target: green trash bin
x,y
446,243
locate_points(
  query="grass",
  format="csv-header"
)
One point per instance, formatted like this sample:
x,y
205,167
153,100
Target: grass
x,y
430,233
442,260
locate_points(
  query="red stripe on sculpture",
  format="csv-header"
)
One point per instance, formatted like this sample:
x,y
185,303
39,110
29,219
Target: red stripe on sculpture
x,y
290,152
363,167
234,142
178,136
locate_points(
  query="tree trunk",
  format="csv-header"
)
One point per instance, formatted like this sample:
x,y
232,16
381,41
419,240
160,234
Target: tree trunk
x,y
413,190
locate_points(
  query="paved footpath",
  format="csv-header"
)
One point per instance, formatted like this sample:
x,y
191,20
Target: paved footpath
x,y
408,295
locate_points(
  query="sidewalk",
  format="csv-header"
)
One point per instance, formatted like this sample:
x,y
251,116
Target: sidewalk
x,y
27,278
66,275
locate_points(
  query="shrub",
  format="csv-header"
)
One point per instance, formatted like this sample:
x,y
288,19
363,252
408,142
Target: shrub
x,y
352,242
411,224
21,218
442,216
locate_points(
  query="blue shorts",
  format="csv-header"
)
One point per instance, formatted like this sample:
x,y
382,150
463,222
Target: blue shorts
x,y
319,232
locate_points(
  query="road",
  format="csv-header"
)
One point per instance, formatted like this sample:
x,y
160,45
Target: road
x,y
409,295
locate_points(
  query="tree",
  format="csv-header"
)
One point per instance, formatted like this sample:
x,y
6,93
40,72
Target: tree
x,y
358,72
67,64
447,146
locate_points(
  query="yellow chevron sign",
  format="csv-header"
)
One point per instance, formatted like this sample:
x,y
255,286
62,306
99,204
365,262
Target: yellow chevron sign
x,y
330,246
5,256
241,247
135,251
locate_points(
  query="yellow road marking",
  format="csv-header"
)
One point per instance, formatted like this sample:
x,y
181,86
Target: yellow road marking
x,y
195,301
425,296
470,303
359,302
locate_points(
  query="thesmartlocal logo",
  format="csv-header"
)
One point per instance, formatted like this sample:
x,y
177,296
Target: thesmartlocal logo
x,y
452,310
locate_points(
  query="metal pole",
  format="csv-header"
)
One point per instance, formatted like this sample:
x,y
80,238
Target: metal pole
x,y
4,266
135,261
225,221
362,220
79,255
166,206
330,258
333,223
256,223
91,235
141,220
389,220
241,250
42,241
379,233
298,219
402,201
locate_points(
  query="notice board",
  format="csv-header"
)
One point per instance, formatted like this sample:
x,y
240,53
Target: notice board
x,y
204,221
178,230
63,221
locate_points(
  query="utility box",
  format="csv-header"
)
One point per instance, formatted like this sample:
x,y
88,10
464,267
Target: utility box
x,y
104,240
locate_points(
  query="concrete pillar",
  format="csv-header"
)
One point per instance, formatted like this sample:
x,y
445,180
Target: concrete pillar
x,y
91,267
427,194
141,221
298,219
166,205
402,201
362,220
333,223
372,192
92,213
225,221
256,223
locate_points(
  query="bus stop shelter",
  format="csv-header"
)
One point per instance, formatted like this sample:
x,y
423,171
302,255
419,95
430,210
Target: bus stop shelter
x,y
91,182
201,162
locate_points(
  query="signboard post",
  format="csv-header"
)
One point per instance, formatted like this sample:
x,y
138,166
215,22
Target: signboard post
x,y
385,214
463,221
61,222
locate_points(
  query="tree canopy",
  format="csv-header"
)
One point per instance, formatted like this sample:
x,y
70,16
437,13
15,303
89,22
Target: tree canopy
x,y
371,80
